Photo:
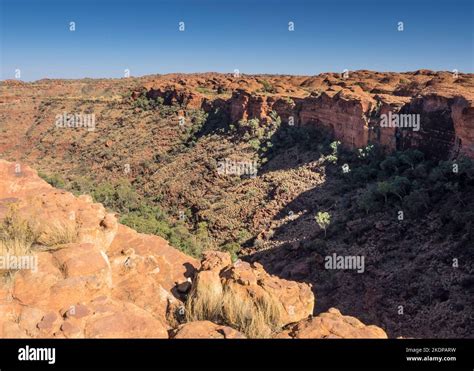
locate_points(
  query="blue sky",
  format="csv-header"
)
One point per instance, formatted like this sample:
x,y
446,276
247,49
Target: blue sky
x,y
223,35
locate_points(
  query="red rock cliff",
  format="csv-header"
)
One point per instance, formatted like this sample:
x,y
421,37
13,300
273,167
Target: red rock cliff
x,y
350,107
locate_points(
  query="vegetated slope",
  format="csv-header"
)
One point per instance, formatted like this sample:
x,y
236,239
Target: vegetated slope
x,y
69,270
411,284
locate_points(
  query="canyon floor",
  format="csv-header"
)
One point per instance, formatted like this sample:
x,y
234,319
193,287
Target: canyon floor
x,y
185,164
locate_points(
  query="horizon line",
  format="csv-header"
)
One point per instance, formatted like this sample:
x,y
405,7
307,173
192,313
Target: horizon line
x,y
241,74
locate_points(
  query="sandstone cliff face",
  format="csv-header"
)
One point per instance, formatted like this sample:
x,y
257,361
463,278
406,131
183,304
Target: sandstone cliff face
x,y
445,128
104,280
462,114
348,105
352,107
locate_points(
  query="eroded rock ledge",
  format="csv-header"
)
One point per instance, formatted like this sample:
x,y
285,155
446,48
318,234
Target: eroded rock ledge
x,y
349,106
96,278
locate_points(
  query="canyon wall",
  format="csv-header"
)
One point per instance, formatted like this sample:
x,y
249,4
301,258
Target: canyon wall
x,y
352,111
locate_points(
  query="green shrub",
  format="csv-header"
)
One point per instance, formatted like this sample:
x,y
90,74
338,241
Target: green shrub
x,y
384,188
362,174
55,180
416,202
255,144
232,248
267,87
142,214
389,165
367,201
400,186
243,236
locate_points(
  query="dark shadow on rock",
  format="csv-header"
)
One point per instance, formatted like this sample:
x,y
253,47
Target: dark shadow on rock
x,y
408,285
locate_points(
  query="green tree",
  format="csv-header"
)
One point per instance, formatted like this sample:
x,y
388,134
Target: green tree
x,y
323,219
367,200
389,165
400,186
384,188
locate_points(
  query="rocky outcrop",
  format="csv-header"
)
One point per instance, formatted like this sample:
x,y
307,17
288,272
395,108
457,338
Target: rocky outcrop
x,y
233,292
351,116
462,114
103,280
206,330
245,290
247,281
52,210
176,95
351,106
332,325
106,280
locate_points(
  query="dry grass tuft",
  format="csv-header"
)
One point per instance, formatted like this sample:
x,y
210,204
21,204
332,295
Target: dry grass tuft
x,y
19,237
205,299
16,237
57,233
255,317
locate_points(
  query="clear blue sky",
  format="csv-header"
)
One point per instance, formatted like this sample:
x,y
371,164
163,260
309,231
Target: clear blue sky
x,y
222,35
